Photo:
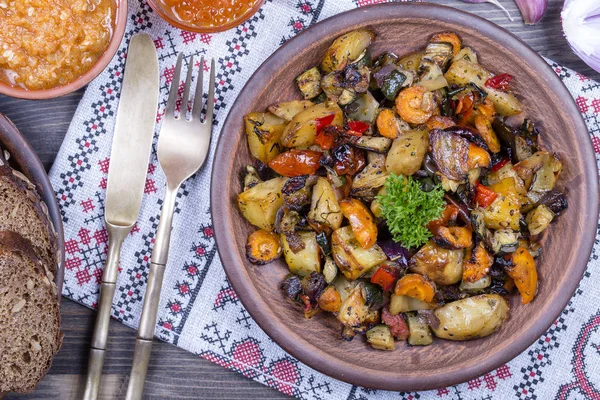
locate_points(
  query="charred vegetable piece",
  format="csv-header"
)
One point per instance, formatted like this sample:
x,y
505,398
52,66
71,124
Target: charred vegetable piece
x,y
263,131
323,242
296,162
374,144
524,273
411,62
312,286
392,84
386,275
260,203
450,153
555,201
419,333
291,286
407,153
346,49
539,219
302,129
373,295
452,237
330,300
263,247
351,258
361,221
309,83
305,261
348,160
442,266
370,179
415,105
477,264
381,338
471,318
416,286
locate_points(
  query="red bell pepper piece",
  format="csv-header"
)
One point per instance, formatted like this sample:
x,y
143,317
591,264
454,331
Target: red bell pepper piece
x,y
385,276
500,82
484,196
358,127
296,162
500,164
322,122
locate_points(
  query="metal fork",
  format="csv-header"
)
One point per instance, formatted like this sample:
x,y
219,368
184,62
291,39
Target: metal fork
x,y
182,149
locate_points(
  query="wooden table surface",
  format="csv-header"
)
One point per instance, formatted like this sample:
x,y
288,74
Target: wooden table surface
x,y
45,123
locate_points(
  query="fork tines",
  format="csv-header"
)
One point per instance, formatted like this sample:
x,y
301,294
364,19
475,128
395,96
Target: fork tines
x,y
196,110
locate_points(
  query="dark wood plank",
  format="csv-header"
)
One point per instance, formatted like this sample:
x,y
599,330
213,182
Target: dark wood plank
x,y
45,123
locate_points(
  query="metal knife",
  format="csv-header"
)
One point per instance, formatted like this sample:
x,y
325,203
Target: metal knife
x,y
130,154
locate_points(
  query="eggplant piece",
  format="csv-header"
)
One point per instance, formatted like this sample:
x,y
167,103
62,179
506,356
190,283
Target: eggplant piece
x,y
373,295
437,52
285,224
555,201
291,286
516,146
312,287
297,191
470,134
380,74
366,108
251,178
356,78
450,152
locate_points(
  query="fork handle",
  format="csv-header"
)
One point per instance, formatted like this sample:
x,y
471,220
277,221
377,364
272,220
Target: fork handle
x,y
160,254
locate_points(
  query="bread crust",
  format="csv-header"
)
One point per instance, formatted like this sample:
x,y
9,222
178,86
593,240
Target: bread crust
x,y
28,191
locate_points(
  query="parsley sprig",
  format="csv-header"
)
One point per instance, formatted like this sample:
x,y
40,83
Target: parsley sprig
x,y
407,209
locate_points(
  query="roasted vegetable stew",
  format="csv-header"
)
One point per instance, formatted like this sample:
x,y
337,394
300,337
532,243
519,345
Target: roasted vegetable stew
x,y
401,193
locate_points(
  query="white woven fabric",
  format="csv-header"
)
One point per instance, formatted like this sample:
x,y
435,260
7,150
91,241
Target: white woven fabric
x,y
198,310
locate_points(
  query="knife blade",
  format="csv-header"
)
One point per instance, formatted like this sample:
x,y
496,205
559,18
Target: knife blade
x,y
130,154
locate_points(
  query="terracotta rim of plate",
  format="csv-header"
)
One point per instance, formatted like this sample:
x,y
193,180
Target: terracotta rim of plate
x,y
25,158
159,10
91,74
258,308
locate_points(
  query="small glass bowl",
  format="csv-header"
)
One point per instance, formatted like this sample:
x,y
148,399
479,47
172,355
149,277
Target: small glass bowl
x,y
167,16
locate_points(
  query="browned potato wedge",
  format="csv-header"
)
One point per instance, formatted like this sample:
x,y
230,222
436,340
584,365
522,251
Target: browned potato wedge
x,y
288,109
471,318
504,212
330,300
264,131
325,208
346,49
306,260
463,72
407,153
443,266
351,258
260,203
263,247
301,131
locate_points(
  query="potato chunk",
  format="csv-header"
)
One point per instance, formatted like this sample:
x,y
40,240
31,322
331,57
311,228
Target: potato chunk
x,y
260,203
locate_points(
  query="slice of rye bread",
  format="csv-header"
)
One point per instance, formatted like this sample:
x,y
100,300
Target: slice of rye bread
x,y
23,211
30,333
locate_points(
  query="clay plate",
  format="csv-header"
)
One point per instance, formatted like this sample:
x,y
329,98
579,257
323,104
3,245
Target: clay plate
x,y
23,158
403,28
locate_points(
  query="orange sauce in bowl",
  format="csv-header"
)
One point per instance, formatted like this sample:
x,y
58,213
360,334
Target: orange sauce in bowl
x,y
207,14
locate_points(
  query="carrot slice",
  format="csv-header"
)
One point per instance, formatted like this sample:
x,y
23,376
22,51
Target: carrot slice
x,y
415,286
415,105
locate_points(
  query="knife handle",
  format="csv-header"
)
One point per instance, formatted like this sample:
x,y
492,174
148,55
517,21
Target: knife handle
x,y
160,254
116,236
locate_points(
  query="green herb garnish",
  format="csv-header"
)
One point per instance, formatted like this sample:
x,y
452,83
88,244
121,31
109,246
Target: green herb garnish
x,y
407,209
